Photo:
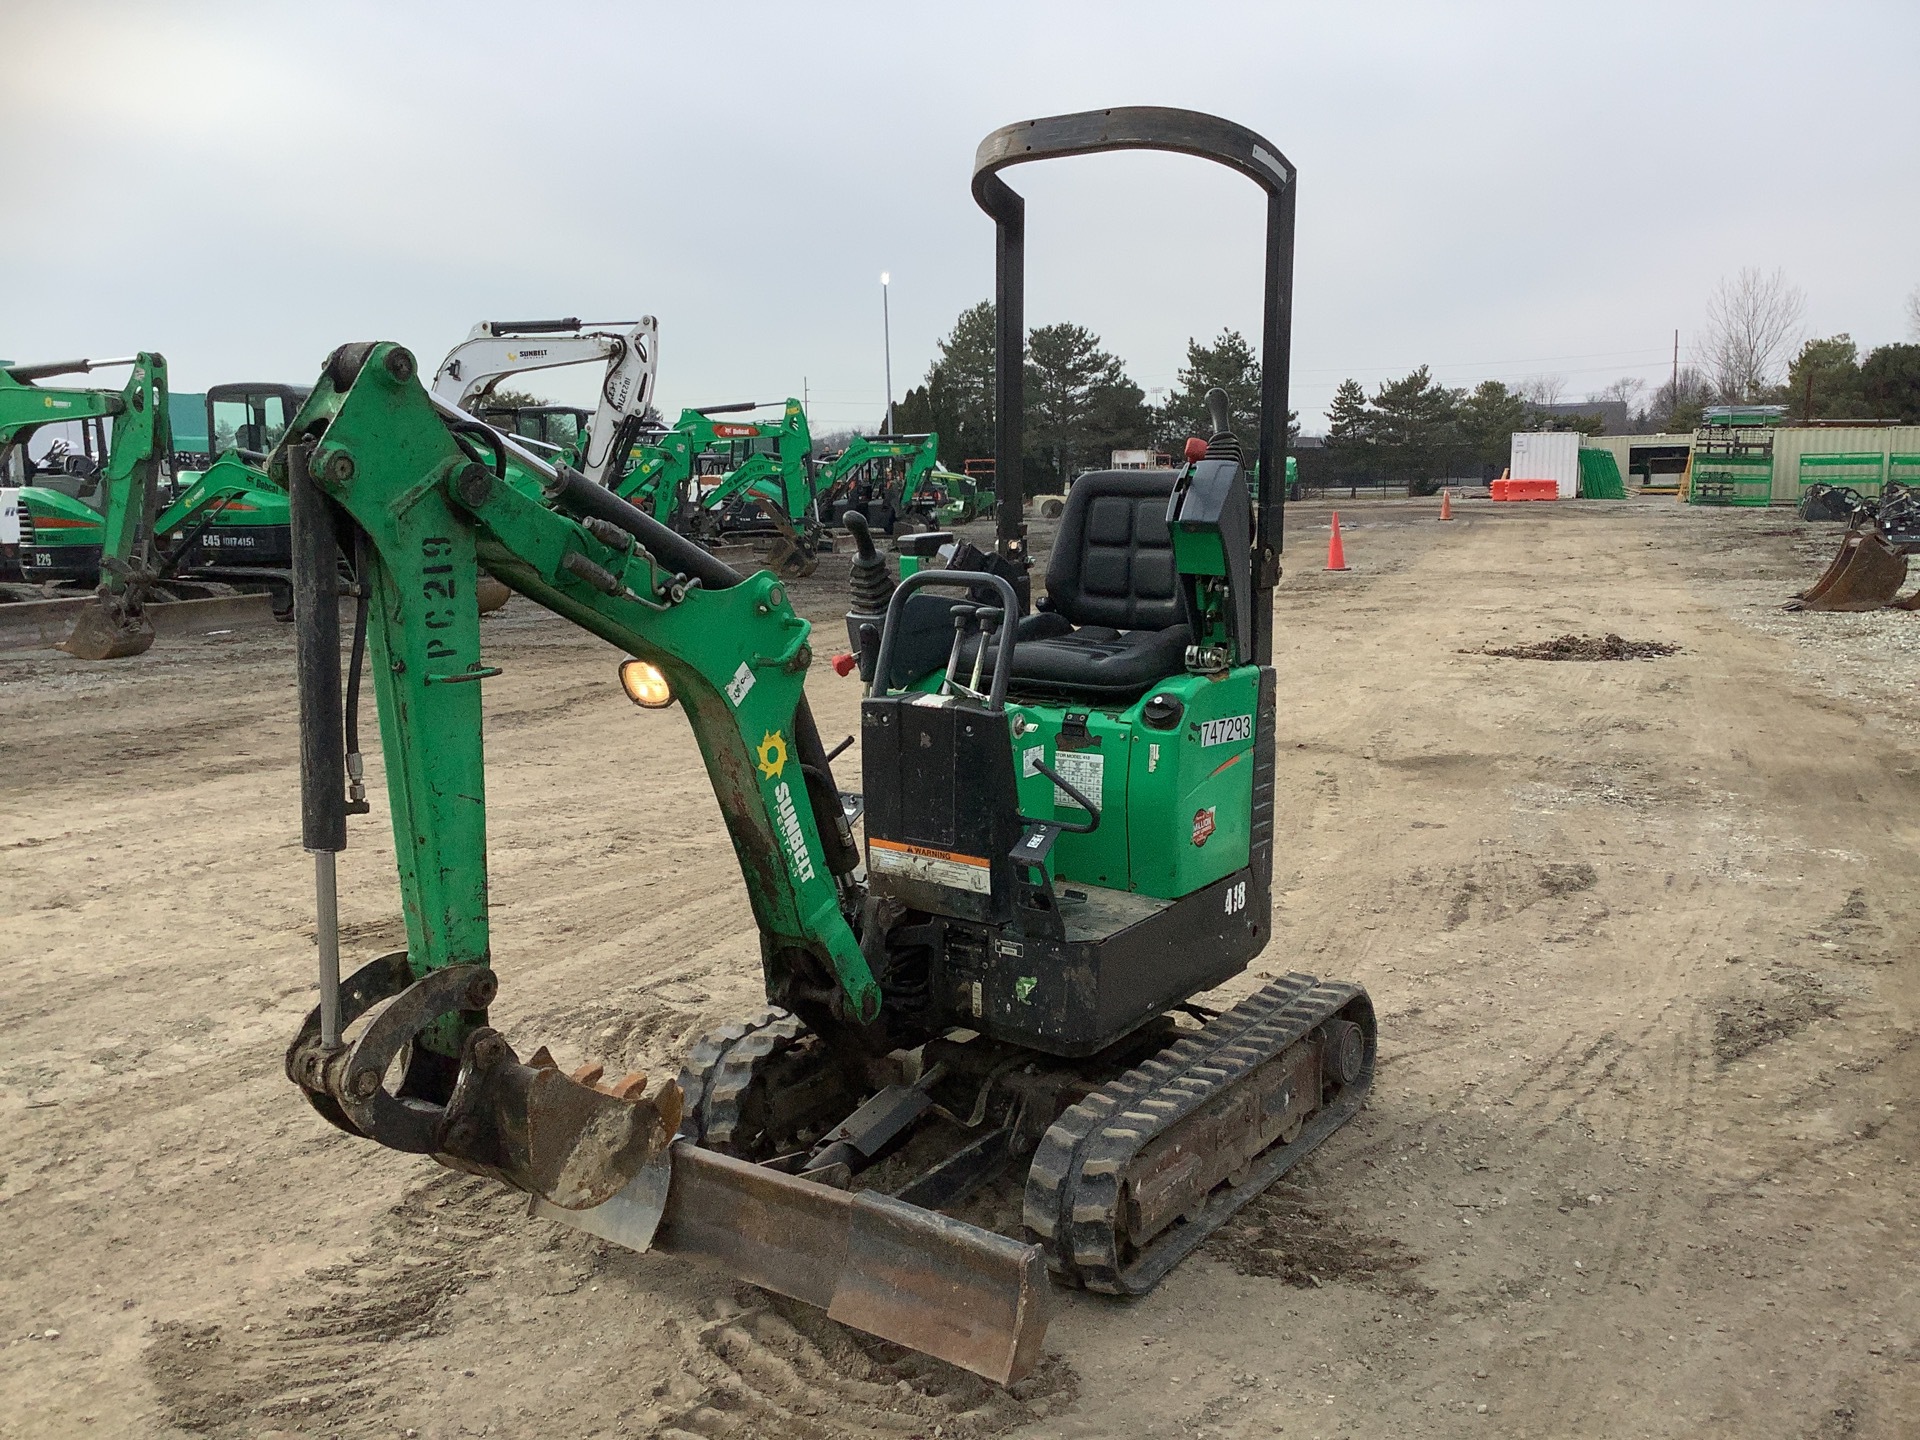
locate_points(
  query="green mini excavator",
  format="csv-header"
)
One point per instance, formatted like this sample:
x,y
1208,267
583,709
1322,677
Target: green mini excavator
x,y
981,970
130,513
895,480
91,518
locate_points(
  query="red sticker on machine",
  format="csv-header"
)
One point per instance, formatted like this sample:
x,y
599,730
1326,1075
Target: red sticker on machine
x,y
1202,825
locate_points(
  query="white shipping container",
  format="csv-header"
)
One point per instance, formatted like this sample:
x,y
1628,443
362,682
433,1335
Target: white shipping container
x,y
1547,455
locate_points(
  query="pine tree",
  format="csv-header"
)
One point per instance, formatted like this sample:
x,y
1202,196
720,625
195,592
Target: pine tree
x,y
956,399
1823,382
1413,429
1487,420
1080,406
1350,430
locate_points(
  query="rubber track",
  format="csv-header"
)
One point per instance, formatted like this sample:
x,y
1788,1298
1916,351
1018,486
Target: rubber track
x,y
1075,1185
700,1076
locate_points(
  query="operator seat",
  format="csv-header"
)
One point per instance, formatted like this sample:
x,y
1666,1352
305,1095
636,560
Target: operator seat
x,y
1112,623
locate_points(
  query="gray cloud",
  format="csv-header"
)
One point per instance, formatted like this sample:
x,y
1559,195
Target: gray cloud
x,y
1497,190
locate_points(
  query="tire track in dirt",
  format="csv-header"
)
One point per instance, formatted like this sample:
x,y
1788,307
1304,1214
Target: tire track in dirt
x,y
330,1357
768,1369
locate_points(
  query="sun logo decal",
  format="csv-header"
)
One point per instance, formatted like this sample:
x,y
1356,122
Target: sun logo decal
x,y
772,754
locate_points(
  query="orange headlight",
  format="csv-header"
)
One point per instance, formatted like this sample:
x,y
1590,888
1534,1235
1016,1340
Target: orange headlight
x,y
645,685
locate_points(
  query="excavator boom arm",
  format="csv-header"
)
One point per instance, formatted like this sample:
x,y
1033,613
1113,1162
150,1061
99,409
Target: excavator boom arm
x,y
496,349
733,650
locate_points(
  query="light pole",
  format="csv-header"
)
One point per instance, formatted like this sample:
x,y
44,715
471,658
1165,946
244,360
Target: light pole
x,y
886,332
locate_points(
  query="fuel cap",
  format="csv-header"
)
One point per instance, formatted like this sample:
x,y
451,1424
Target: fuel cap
x,y
1163,712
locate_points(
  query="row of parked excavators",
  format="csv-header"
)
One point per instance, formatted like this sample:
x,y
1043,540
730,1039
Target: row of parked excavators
x,y
1871,564
134,496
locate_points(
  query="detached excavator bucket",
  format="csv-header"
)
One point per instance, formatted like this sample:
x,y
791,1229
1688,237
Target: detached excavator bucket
x,y
1866,575
108,628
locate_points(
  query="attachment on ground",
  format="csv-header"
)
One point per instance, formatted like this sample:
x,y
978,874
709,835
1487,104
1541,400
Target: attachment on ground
x,y
113,626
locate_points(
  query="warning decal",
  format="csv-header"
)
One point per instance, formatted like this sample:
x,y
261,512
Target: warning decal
x,y
1203,825
948,868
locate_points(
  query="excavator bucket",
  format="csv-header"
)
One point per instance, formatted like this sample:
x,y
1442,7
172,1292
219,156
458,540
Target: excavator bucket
x,y
1866,575
490,593
108,628
789,557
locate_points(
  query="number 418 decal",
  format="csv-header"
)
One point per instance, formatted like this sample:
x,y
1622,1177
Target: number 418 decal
x,y
1236,897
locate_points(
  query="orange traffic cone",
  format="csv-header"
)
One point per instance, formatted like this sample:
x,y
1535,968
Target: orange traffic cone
x,y
1446,504
1336,553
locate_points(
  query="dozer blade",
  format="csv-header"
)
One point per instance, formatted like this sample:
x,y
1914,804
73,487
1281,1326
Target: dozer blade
x,y
105,631
932,1284
1866,575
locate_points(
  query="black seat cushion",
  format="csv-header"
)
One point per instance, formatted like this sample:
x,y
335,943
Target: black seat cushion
x,y
1112,562
1116,624
1094,662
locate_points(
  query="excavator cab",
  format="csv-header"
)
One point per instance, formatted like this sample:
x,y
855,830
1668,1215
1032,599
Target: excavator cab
x,y
251,417
555,428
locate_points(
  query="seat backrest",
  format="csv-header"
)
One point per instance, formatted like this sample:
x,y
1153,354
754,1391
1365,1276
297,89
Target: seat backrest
x,y
1112,561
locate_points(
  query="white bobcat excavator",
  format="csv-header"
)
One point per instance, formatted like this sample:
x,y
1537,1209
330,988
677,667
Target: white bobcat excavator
x,y
630,350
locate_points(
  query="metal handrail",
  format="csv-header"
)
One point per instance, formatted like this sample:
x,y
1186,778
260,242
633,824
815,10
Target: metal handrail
x,y
958,579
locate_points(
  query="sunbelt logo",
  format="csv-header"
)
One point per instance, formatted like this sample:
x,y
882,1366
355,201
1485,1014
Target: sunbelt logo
x,y
1226,730
791,835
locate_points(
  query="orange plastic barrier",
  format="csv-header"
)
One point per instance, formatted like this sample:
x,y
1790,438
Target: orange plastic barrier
x,y
1526,490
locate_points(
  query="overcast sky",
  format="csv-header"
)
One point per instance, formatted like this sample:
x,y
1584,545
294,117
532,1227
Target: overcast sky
x,y
1495,190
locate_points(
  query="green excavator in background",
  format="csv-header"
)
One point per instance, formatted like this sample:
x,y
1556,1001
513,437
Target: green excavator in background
x,y
131,508
1068,826
130,438
889,479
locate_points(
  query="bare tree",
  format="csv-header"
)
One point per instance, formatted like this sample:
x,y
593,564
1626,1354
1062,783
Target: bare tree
x,y
1677,406
1754,323
1626,390
1543,390
1913,313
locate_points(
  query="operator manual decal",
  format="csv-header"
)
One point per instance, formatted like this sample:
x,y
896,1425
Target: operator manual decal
x,y
947,868
1082,769
1226,730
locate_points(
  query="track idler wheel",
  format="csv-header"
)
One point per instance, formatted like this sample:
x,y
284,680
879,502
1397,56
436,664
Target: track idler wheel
x,y
567,1139
109,627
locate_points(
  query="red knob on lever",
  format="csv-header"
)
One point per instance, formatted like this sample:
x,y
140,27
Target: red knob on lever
x,y
843,665
1196,448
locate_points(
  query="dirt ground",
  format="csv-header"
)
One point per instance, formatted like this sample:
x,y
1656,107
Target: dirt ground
x,y
1637,1161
